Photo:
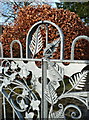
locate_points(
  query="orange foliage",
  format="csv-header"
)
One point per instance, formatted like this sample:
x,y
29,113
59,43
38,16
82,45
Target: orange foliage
x,y
69,22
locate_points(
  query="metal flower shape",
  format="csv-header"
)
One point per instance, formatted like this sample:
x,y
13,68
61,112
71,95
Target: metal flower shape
x,y
29,115
6,82
23,72
13,65
23,105
25,92
35,104
12,76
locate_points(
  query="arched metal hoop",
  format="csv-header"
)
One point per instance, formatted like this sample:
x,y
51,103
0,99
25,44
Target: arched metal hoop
x,y
32,30
74,42
11,46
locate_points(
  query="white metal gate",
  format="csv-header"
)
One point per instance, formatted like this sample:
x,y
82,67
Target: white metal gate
x,y
51,91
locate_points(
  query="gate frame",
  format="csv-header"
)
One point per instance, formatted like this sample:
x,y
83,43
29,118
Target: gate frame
x,y
43,60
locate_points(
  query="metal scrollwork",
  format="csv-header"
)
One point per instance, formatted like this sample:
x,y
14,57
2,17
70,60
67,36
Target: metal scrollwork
x,y
50,91
57,85
77,114
17,88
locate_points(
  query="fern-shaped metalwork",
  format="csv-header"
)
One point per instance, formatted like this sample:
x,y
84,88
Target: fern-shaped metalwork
x,y
36,42
78,80
50,94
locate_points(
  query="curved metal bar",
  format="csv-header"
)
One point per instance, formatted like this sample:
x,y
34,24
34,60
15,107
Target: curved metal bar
x,y
7,62
19,115
74,42
11,45
32,30
73,114
1,50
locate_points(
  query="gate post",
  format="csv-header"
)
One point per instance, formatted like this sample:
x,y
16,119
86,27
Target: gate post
x,y
1,55
44,105
0,106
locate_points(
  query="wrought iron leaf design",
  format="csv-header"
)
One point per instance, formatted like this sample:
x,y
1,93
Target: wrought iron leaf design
x,y
36,42
78,80
59,70
50,94
55,71
51,48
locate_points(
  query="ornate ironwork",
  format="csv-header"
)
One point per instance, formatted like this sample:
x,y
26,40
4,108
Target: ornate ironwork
x,y
52,90
56,91
18,87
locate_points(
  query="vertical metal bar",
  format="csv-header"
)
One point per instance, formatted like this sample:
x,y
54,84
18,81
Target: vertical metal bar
x,y
1,55
1,50
1,105
46,34
88,100
4,108
13,114
44,105
62,50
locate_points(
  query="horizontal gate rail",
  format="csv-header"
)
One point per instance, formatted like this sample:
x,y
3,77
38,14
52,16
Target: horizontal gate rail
x,y
51,60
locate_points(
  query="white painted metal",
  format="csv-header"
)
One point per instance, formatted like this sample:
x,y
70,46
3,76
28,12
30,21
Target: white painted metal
x,y
32,30
1,50
40,87
4,108
11,46
44,84
74,42
13,114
